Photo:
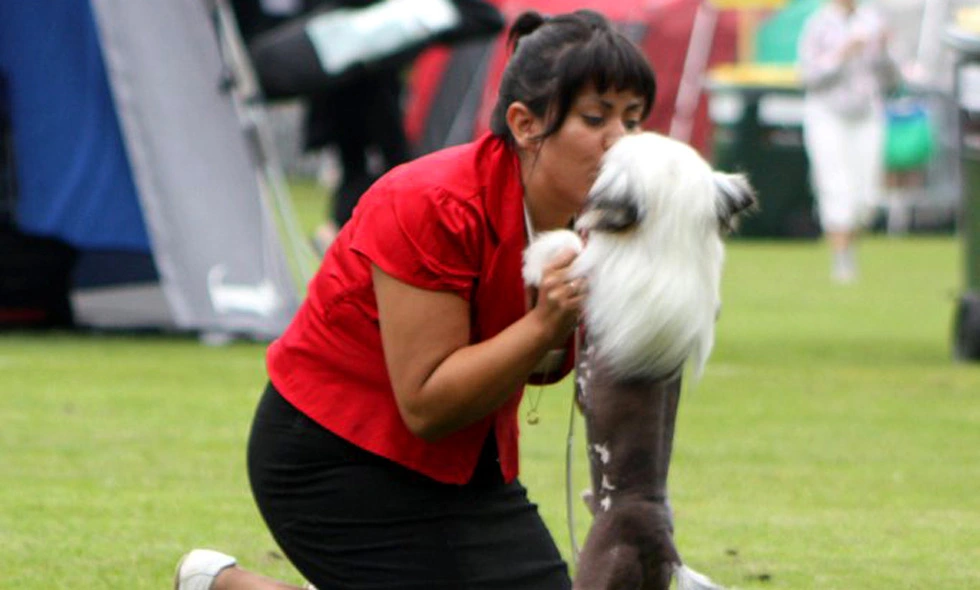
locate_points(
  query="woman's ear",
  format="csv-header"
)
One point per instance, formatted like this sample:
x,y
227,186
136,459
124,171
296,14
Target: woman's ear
x,y
524,126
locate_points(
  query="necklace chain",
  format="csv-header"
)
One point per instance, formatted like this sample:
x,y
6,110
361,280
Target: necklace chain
x,y
528,225
532,412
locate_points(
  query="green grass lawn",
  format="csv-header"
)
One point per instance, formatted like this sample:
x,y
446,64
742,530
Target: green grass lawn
x,y
832,443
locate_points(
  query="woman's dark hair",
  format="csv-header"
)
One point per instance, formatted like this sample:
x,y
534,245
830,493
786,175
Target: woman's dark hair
x,y
554,58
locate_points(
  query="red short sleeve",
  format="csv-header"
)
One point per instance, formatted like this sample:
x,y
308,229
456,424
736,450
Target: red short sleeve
x,y
427,237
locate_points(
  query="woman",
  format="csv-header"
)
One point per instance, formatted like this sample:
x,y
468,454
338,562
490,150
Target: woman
x,y
384,451
846,72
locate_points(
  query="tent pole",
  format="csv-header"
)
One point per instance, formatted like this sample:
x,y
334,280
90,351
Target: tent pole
x,y
242,82
695,66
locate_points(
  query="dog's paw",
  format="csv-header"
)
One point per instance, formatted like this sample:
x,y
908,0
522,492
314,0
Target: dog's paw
x,y
545,248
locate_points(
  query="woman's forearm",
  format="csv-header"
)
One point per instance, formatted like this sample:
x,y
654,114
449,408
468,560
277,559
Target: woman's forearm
x,y
476,380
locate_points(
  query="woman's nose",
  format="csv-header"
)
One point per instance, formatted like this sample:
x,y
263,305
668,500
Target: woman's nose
x,y
616,131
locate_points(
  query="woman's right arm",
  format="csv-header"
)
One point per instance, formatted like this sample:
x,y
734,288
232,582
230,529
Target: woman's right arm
x,y
441,381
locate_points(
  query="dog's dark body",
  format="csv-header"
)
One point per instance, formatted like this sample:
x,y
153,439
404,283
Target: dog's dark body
x,y
655,218
630,544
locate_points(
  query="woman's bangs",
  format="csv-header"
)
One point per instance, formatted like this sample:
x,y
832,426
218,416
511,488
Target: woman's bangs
x,y
608,65
604,63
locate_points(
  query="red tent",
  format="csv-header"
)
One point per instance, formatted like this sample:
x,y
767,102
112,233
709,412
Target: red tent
x,y
452,91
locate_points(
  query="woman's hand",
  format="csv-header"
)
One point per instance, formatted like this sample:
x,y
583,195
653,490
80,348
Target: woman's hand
x,y
560,298
853,48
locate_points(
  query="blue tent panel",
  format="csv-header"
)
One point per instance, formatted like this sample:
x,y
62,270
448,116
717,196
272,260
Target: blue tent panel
x,y
74,179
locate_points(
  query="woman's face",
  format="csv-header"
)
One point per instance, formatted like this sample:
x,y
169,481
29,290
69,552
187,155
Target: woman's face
x,y
566,163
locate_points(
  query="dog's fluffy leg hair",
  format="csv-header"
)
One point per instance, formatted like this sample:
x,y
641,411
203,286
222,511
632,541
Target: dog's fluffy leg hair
x,y
543,249
688,579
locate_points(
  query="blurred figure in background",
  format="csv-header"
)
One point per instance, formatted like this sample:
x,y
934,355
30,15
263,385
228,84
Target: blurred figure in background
x,y
363,121
846,72
347,59
358,118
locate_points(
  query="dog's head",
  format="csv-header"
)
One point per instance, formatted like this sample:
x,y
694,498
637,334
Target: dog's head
x,y
655,217
650,178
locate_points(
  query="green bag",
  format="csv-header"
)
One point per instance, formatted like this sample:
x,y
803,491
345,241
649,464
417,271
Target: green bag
x,y
909,140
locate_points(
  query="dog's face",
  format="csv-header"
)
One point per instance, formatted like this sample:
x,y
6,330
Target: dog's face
x,y
648,177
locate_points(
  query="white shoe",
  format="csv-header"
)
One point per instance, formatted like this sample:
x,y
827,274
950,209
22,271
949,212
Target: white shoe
x,y
844,276
198,569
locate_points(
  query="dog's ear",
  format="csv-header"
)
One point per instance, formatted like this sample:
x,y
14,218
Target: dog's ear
x,y
734,195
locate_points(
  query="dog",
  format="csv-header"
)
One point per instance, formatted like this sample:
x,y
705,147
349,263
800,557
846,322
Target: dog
x,y
653,256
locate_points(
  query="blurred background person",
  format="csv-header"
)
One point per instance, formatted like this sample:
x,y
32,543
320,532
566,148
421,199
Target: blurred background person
x,y
846,72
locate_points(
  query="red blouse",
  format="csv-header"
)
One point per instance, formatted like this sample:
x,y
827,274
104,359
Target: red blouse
x,y
450,221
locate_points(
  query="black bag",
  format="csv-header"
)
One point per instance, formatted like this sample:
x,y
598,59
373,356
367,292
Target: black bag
x,y
35,277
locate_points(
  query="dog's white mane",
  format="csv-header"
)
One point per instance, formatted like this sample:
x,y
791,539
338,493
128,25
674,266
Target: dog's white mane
x,y
654,290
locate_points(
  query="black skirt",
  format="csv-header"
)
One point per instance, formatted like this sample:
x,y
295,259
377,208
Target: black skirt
x,y
347,518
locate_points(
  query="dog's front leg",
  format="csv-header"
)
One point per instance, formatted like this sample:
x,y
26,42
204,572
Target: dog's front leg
x,y
628,547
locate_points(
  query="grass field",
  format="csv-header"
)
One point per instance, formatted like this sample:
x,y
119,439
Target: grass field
x,y
832,443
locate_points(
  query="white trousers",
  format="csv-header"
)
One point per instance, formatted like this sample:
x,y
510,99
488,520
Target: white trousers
x,y
846,165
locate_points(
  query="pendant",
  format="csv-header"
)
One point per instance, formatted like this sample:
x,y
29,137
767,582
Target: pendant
x,y
532,416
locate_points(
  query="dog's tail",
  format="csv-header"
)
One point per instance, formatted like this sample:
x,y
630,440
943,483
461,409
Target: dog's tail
x,y
688,579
